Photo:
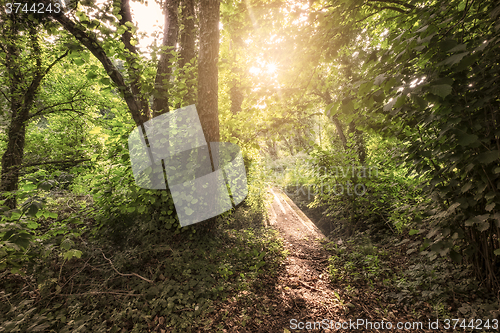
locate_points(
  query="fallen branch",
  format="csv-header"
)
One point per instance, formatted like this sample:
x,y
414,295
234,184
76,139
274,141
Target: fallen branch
x,y
308,286
130,274
100,292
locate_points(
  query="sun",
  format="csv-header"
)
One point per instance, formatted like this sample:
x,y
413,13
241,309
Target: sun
x,y
271,68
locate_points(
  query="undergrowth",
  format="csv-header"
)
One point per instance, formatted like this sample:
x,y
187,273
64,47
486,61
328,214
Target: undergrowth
x,y
172,283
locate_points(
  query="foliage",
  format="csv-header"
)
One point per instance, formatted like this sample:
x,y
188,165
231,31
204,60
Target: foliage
x,y
190,276
445,104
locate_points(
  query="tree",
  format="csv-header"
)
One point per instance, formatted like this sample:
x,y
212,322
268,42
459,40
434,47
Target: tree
x,y
25,68
164,70
207,69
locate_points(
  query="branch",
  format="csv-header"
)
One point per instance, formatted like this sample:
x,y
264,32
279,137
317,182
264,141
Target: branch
x,y
132,274
53,111
40,111
399,10
7,98
31,91
93,45
396,2
99,293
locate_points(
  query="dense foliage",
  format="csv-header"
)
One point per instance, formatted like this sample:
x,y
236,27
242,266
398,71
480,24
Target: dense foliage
x,y
380,116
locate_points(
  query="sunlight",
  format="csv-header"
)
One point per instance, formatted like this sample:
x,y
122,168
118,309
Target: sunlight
x,y
254,70
149,19
271,68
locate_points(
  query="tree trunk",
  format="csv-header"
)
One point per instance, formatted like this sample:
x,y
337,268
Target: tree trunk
x,y
131,57
21,98
207,69
188,33
236,96
340,131
164,69
208,82
236,92
13,156
360,143
338,126
187,50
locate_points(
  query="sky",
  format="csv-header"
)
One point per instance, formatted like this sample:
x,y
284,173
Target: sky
x,y
149,19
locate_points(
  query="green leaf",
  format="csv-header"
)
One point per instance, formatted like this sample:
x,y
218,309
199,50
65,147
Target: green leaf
x,y
456,58
441,90
79,61
105,81
347,107
490,207
483,226
466,187
72,253
413,232
67,243
32,225
488,157
91,75
33,208
455,256
497,252
46,185
467,139
29,187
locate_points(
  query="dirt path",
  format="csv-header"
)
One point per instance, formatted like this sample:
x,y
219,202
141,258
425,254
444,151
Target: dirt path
x,y
303,286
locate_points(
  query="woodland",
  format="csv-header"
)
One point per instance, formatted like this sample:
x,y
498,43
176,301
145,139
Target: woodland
x,y
380,119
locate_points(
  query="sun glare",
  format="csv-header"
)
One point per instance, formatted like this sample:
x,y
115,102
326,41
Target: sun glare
x,y
149,19
271,68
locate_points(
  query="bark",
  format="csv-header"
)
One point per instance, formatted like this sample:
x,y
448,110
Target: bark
x,y
208,81
187,50
164,69
236,96
207,69
188,34
340,131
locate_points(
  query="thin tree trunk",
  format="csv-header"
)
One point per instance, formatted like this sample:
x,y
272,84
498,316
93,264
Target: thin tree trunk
x,y
13,156
208,82
135,76
21,98
164,70
207,69
340,131
338,126
188,33
187,50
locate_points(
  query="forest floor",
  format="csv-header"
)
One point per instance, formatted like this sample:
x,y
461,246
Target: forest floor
x,y
304,296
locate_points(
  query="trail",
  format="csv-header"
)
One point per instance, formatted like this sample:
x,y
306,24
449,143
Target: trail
x,y
301,293
303,286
